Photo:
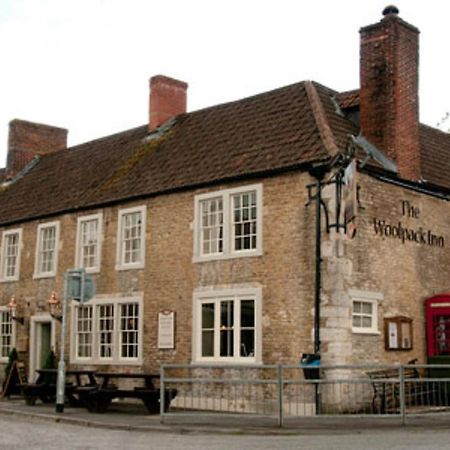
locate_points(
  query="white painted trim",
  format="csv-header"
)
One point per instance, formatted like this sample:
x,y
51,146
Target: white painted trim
x,y
236,294
228,252
78,259
53,272
13,334
119,262
3,277
374,328
34,322
117,301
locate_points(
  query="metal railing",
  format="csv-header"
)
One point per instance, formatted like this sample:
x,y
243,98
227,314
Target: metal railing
x,y
283,393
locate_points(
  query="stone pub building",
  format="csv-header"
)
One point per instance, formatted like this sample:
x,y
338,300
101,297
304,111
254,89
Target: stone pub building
x,y
295,221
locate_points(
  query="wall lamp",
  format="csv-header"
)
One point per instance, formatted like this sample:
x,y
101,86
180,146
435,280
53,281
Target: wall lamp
x,y
12,306
54,306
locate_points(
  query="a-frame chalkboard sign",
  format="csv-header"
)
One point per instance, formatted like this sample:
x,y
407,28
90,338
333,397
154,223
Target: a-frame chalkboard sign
x,y
16,377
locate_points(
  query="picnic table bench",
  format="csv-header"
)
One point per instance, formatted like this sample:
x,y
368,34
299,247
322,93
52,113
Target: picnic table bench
x,y
99,399
386,388
44,388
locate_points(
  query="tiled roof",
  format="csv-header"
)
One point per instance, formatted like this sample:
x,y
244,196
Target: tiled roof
x,y
348,99
435,155
274,131
283,129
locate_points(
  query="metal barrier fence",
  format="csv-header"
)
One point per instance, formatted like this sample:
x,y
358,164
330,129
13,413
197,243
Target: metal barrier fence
x,y
287,392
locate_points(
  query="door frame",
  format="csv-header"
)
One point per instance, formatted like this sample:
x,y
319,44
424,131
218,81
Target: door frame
x,y
35,322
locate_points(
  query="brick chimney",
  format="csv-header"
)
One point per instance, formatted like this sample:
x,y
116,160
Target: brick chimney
x,y
389,100
28,139
167,100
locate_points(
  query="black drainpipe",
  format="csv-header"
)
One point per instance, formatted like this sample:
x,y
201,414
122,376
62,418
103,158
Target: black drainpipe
x,y
318,173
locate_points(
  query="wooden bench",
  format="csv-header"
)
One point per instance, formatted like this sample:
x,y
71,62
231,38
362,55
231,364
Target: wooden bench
x,y
44,388
386,388
98,400
46,392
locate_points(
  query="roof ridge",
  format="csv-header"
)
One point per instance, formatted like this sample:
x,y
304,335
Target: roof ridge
x,y
321,119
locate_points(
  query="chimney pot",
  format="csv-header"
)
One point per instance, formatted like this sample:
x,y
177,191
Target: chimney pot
x,y
390,10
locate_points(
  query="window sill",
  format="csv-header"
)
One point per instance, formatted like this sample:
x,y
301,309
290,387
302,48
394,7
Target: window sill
x,y
44,275
130,267
366,332
235,255
227,362
9,280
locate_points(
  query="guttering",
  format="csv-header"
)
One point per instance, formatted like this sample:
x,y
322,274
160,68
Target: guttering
x,y
412,185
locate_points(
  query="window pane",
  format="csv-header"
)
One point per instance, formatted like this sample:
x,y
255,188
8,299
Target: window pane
x,y
208,315
105,330
247,313
208,343
47,245
6,334
131,237
247,343
226,328
89,243
244,221
367,308
84,331
11,252
211,233
129,329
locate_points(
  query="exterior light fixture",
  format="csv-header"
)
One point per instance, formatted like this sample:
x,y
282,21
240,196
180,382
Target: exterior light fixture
x,y
12,306
54,306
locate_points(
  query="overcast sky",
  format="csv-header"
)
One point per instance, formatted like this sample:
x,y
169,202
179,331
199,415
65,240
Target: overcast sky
x,y
85,64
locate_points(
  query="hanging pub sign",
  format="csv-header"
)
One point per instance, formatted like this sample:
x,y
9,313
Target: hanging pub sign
x,y
166,330
349,198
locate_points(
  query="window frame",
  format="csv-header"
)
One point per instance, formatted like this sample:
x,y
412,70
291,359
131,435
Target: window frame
x,y
216,296
116,357
374,316
228,232
78,249
3,255
120,264
4,359
37,260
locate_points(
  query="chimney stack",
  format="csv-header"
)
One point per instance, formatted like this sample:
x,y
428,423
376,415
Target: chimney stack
x,y
389,100
167,100
28,139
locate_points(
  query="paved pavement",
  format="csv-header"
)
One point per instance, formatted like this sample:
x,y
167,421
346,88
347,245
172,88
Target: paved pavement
x,y
122,416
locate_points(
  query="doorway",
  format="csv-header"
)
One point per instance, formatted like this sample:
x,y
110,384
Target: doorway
x,y
42,341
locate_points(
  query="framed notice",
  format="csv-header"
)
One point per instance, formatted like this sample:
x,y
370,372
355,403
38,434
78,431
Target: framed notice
x,y
398,333
166,330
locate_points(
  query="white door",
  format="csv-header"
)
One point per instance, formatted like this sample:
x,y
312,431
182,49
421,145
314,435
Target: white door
x,y
42,341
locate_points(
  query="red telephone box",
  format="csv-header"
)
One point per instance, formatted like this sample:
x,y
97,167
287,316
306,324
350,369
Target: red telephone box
x,y
437,310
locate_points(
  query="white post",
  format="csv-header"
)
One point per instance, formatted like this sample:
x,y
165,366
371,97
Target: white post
x,y
61,380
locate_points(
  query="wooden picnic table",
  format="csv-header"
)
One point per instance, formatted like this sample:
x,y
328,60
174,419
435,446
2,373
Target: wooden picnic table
x,y
44,387
99,399
147,377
